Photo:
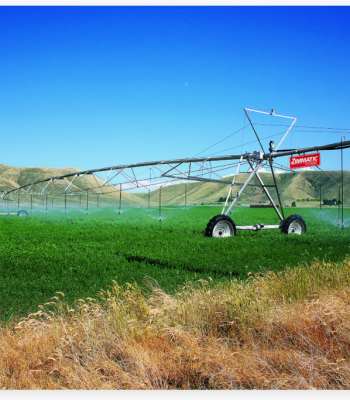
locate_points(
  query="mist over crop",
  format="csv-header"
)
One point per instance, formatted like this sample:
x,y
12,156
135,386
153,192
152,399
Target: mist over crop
x,y
79,254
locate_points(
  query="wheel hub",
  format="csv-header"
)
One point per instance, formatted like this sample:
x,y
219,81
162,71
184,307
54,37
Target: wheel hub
x,y
223,229
295,227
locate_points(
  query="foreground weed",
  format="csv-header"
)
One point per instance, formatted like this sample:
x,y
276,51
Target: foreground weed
x,y
284,330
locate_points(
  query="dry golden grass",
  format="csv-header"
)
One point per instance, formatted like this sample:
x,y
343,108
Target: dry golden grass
x,y
286,330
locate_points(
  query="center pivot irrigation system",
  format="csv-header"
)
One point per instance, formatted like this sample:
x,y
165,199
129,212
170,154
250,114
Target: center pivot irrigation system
x,y
158,174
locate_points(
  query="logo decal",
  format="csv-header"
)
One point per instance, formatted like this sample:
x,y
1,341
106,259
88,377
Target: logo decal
x,y
310,160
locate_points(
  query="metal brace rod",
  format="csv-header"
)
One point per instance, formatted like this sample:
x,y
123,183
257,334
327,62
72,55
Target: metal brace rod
x,y
31,186
210,170
327,175
137,183
233,182
174,168
286,133
62,185
48,183
98,185
28,189
130,180
256,227
106,182
251,124
108,175
80,176
91,183
142,172
269,197
277,192
213,171
250,177
132,188
178,170
198,179
71,182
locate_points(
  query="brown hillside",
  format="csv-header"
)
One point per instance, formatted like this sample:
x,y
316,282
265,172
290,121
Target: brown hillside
x,y
12,177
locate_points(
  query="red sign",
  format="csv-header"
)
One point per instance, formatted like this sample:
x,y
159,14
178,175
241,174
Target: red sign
x,y
310,160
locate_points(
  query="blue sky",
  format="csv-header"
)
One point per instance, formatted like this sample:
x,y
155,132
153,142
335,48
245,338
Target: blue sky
x,y
92,87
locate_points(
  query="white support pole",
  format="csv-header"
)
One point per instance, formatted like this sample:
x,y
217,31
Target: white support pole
x,y
251,176
256,227
286,134
233,182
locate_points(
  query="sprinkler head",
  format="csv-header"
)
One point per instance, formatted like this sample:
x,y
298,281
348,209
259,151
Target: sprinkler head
x,y
160,219
342,226
87,212
119,212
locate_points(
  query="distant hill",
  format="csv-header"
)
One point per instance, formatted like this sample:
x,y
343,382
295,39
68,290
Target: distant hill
x,y
292,186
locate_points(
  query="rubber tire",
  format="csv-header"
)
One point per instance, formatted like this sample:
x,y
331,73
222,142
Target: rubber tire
x,y
209,230
22,213
284,225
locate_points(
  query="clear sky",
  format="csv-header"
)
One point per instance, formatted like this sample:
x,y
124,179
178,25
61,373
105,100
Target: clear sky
x,y
92,87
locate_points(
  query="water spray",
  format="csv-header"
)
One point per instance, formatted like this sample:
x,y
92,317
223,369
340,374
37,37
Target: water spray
x,y
339,206
120,199
160,204
87,202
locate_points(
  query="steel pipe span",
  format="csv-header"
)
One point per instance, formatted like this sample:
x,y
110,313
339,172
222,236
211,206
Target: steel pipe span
x,y
174,164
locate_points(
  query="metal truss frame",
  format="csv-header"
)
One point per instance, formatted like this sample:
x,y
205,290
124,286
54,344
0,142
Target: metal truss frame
x,y
149,175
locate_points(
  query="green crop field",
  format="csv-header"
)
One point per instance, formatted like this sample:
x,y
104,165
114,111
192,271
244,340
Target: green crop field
x,y
80,254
